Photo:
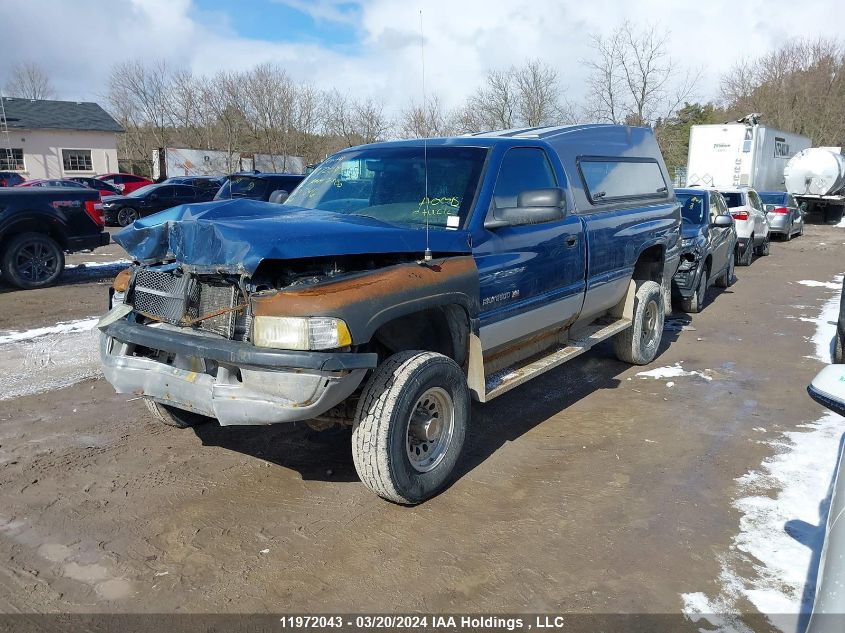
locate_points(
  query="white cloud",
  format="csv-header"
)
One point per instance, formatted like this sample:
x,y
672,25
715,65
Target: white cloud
x,y
79,41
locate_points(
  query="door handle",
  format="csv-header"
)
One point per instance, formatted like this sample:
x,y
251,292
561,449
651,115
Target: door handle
x,y
572,240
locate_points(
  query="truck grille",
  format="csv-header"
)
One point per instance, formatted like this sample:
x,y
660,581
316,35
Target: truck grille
x,y
162,295
181,300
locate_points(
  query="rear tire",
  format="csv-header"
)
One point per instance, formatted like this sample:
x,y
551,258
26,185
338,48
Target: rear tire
x,y
695,303
726,279
638,344
788,235
171,416
410,426
32,260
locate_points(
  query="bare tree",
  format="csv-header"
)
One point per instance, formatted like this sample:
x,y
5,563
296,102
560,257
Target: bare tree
x,y
527,95
354,121
798,87
633,78
30,81
424,120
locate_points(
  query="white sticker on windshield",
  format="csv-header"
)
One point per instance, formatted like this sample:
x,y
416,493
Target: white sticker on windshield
x,y
453,221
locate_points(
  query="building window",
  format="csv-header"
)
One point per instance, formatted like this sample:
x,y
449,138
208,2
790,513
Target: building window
x,y
77,160
11,159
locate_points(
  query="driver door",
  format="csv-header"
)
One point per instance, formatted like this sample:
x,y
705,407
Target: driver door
x,y
719,236
531,275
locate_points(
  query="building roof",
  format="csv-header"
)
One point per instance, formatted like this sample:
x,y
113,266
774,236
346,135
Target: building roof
x,y
34,114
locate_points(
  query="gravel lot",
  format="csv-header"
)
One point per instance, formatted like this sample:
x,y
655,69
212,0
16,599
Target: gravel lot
x,y
697,487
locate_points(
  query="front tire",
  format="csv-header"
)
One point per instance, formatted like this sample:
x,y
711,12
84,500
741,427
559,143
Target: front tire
x,y
838,350
695,303
748,255
32,260
763,249
410,426
726,279
639,343
172,416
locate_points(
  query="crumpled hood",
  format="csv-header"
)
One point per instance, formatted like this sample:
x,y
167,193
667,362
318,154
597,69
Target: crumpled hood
x,y
234,236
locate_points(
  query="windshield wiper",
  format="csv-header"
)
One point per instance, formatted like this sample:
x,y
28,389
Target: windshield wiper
x,y
599,194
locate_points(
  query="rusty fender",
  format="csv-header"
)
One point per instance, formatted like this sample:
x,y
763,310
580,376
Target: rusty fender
x,y
367,300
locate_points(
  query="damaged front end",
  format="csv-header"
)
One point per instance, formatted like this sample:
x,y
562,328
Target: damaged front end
x,y
267,341
686,278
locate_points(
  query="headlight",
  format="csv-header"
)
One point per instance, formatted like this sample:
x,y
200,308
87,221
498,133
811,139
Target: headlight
x,y
688,241
300,333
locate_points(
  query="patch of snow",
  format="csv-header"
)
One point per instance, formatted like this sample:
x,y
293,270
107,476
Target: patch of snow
x,y
670,384
672,371
788,491
826,323
63,327
264,551
832,285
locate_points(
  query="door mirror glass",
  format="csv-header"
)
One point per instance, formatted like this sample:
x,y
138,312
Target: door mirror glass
x,y
723,221
279,196
534,206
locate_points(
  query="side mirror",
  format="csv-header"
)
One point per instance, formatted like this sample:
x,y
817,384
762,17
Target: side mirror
x,y
534,206
723,221
279,196
826,388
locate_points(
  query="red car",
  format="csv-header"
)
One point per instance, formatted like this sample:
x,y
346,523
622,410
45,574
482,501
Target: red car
x,y
51,182
126,183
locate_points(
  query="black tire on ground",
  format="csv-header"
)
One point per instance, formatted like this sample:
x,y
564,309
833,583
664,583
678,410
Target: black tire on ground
x,y
748,255
763,249
726,279
695,303
126,216
410,426
838,351
639,343
171,416
32,260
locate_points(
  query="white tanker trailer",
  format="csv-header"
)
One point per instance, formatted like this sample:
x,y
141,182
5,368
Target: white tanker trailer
x,y
816,177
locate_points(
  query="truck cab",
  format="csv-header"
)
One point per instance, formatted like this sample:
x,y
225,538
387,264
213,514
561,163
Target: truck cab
x,y
396,284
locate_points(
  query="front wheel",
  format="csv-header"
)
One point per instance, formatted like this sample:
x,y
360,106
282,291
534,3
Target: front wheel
x,y
763,249
748,255
638,344
695,303
410,426
172,416
726,279
838,349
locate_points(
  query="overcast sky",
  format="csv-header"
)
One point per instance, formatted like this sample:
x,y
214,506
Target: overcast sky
x,y
372,47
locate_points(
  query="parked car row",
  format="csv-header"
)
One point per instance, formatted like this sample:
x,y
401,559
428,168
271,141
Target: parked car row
x,y
723,228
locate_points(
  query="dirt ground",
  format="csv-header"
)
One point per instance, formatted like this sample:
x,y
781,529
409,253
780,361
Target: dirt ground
x,y
589,489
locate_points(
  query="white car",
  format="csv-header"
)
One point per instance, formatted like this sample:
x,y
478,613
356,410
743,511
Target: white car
x,y
752,225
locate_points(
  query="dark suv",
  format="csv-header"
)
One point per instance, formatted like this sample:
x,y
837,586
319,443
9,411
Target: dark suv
x,y
708,247
259,186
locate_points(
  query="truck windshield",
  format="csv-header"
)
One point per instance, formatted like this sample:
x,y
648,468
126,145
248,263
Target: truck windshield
x,y
400,185
692,207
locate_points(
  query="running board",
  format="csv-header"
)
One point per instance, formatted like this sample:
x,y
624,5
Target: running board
x,y
506,379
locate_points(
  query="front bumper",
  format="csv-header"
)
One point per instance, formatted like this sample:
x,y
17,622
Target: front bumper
x,y
235,382
685,282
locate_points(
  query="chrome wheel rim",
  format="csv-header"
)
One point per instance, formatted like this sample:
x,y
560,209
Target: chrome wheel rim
x,y
36,262
430,429
649,322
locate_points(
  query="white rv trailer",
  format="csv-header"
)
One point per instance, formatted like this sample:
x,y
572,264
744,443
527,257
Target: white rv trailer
x,y
741,154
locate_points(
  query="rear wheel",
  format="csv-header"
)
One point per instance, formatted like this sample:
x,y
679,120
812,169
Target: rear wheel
x,y
126,216
696,302
32,260
171,416
726,279
410,425
638,344
788,235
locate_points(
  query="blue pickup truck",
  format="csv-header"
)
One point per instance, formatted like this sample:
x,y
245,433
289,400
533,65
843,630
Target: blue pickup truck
x,y
399,282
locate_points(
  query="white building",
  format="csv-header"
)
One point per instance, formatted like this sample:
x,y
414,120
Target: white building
x,y
57,139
